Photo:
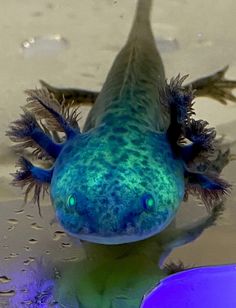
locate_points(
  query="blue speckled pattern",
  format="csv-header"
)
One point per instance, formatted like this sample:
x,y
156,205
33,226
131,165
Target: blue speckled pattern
x,y
109,170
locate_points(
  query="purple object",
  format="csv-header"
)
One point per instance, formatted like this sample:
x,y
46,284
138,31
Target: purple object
x,y
205,287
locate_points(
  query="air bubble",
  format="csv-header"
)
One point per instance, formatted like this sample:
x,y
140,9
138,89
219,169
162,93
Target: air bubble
x,y
66,245
12,221
7,293
30,216
58,235
35,226
14,255
4,279
19,211
11,228
44,45
71,259
32,241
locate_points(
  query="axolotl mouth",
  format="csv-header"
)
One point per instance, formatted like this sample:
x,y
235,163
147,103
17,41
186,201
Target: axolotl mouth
x,y
115,225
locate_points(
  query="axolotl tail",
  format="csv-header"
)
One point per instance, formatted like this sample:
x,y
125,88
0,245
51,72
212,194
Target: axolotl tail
x,y
136,76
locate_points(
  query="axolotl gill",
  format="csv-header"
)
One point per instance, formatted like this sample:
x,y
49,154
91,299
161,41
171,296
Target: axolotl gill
x,y
141,152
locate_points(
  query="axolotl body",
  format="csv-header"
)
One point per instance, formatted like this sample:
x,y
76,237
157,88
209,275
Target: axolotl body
x,y
124,177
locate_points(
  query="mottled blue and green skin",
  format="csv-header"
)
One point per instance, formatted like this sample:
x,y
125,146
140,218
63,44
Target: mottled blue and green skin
x,y
111,170
120,181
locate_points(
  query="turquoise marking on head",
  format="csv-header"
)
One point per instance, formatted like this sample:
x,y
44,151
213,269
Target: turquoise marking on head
x,y
108,187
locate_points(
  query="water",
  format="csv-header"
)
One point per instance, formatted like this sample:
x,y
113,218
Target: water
x,y
36,255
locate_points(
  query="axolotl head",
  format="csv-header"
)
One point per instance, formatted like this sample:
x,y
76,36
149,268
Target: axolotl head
x,y
115,188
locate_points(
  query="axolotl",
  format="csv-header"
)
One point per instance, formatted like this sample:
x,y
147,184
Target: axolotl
x,y
141,152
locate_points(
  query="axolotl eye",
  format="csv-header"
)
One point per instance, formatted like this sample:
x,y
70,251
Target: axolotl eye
x,y
148,202
71,201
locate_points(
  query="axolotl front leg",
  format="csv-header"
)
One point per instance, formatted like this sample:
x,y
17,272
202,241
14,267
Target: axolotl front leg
x,y
28,133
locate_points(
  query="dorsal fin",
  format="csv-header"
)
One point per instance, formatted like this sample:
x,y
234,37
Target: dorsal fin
x,y
137,61
141,24
137,74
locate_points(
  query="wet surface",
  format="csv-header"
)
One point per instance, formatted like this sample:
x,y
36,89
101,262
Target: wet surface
x,y
74,45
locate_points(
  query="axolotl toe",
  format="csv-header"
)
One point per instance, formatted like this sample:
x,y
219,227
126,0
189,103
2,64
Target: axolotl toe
x,y
123,178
